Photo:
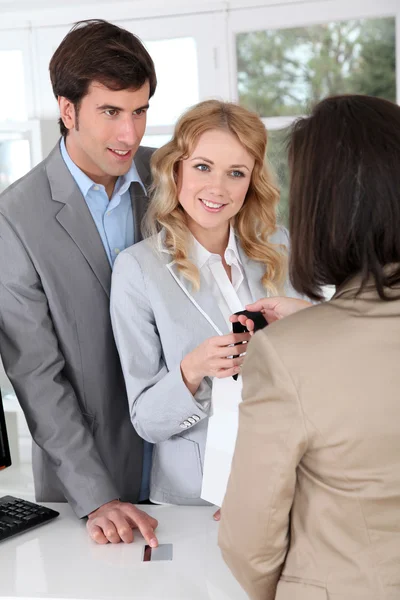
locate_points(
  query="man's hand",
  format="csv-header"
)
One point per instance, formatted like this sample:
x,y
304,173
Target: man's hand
x,y
114,522
273,309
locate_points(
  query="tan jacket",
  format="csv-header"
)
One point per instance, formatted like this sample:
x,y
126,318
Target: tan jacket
x,y
312,510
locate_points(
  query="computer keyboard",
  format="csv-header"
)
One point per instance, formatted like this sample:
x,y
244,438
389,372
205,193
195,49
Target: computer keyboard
x,y
17,516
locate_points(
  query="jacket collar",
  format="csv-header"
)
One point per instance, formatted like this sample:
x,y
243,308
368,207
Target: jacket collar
x,y
352,285
74,215
202,299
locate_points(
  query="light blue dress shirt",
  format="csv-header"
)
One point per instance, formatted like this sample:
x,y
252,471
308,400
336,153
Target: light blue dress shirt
x,y
114,221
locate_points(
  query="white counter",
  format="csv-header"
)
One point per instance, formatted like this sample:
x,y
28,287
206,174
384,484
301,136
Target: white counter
x,y
58,561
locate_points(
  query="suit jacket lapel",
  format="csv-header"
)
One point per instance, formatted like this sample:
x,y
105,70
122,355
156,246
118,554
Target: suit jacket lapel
x,y
74,216
254,271
202,299
138,198
139,202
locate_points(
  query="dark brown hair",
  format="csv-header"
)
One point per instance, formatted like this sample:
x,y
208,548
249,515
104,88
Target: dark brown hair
x,y
96,50
345,194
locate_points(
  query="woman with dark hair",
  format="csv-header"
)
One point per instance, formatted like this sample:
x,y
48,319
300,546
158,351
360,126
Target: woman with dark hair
x,y
319,426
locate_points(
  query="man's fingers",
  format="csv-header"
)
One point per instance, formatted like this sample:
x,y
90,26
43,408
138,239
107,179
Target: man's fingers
x,y
134,514
145,524
96,533
116,524
153,522
133,519
108,528
217,515
123,527
147,532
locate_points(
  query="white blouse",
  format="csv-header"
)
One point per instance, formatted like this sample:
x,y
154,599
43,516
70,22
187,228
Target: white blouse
x,y
230,296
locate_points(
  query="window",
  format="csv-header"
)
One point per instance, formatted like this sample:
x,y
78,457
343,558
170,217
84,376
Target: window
x,y
190,62
12,97
15,158
175,61
283,72
155,141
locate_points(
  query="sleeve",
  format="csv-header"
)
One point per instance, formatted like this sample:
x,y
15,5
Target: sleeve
x,y
254,530
35,366
160,403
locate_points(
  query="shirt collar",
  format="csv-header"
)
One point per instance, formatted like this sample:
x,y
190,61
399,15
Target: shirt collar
x,y
201,255
85,183
232,252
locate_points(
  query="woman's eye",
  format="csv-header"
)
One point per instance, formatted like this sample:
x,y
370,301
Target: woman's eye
x,y
237,174
202,167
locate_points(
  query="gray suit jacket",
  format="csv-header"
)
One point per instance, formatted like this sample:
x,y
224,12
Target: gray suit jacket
x,y
158,319
56,339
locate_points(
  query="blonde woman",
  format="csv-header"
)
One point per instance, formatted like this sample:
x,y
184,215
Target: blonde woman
x,y
214,246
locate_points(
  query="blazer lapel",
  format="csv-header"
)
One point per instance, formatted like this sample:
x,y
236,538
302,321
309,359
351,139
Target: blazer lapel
x,y
139,202
139,198
74,216
202,299
254,271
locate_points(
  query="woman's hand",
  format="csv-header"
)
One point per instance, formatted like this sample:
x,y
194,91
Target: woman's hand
x,y
273,309
213,358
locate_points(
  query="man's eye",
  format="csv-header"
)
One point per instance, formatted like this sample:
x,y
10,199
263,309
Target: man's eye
x,y
110,112
140,111
202,167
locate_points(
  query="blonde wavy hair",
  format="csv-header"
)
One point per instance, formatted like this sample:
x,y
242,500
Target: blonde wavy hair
x,y
256,220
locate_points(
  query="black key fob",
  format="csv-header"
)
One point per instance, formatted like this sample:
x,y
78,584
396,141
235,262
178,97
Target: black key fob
x,y
259,323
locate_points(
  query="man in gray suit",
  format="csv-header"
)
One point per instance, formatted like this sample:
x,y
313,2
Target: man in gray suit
x,y
61,227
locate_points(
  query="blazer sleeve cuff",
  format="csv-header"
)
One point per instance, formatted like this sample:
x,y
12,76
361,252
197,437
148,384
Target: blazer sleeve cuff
x,y
168,408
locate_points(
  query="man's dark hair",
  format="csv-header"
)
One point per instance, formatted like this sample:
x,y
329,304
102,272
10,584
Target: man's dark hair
x,y
96,50
345,194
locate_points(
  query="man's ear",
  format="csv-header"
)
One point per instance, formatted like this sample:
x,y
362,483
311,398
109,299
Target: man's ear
x,y
67,112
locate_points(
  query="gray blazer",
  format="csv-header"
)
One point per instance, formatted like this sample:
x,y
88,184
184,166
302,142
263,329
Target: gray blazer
x,y
157,319
56,340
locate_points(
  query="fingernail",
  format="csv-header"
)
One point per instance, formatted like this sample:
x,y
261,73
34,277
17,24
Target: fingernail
x,y
153,543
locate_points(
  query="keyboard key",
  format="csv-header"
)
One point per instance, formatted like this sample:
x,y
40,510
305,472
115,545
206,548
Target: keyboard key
x,y
18,515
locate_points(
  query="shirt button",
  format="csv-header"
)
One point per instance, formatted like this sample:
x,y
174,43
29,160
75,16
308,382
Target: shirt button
x,y
117,250
96,188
